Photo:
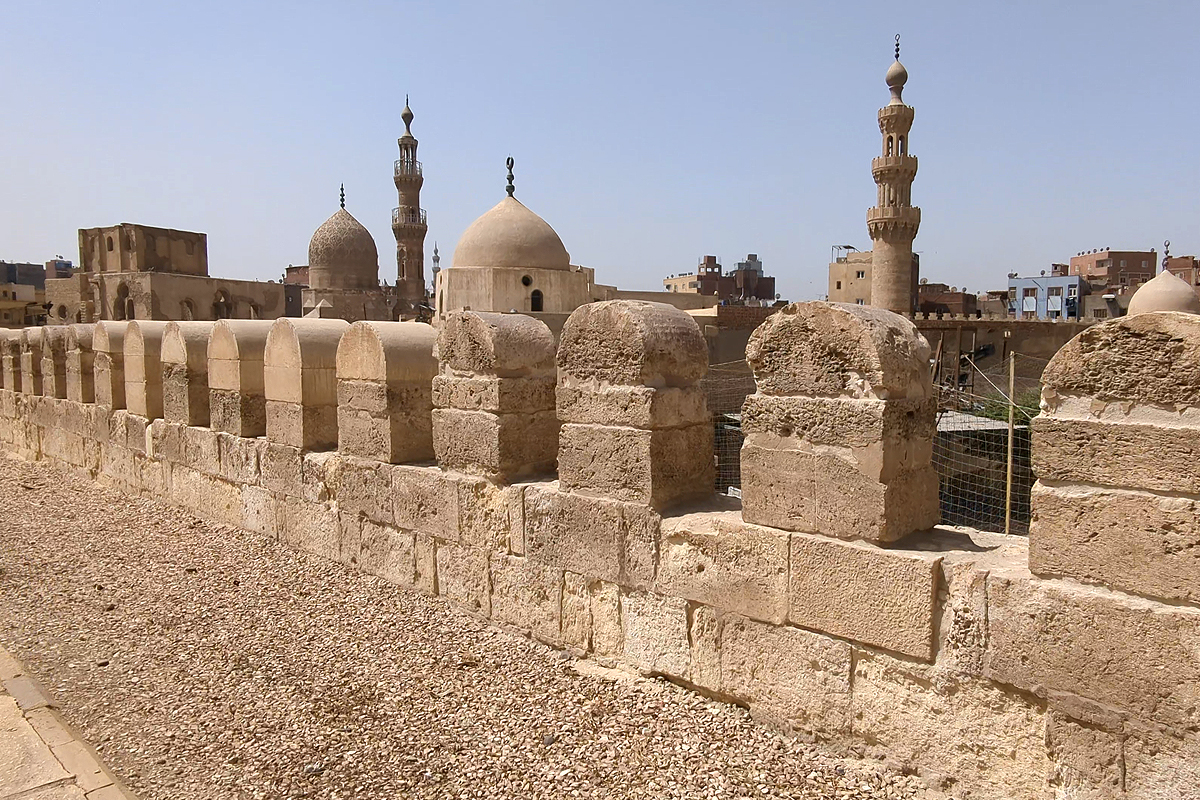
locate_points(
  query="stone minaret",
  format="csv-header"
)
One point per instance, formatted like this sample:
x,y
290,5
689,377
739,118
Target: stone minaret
x,y
408,219
893,222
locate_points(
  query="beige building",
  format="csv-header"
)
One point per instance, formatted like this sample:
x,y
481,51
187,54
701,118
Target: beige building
x,y
130,271
19,305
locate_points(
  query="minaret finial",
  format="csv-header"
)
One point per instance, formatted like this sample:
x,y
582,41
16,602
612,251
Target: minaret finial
x,y
343,195
897,49
510,188
407,116
1166,253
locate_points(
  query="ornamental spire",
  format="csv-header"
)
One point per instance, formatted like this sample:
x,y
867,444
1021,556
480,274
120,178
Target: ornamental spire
x,y
343,195
510,188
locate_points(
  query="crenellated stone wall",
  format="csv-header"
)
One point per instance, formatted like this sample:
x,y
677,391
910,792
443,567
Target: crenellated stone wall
x,y
828,607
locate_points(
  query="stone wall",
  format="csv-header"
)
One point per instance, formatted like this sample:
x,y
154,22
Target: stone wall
x,y
937,652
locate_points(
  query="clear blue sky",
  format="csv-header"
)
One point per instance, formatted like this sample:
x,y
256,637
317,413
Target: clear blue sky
x,y
646,133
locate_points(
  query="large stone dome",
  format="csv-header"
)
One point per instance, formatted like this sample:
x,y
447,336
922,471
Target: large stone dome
x,y
1165,292
342,255
510,235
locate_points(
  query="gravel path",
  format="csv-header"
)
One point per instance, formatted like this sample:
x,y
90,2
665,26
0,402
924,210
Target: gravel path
x,y
208,662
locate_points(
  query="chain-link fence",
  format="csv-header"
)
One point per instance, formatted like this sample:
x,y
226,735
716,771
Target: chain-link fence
x,y
983,463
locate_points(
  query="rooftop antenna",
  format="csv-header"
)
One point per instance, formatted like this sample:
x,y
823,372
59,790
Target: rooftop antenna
x,y
343,195
510,188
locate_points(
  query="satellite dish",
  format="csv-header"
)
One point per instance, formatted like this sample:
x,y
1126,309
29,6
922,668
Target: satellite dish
x,y
924,281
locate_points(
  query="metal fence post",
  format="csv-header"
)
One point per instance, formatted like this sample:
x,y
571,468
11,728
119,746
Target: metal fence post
x,y
1012,407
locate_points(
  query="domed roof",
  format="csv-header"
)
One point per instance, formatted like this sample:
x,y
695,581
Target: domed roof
x,y
1165,292
510,235
897,75
342,254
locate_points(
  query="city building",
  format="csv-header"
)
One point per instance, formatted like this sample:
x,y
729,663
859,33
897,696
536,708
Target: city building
x,y
20,305
58,267
850,276
746,284
1046,296
1115,269
29,274
130,271
939,298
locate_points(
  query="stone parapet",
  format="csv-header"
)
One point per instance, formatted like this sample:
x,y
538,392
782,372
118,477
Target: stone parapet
x,y
237,399
81,364
143,368
184,357
300,382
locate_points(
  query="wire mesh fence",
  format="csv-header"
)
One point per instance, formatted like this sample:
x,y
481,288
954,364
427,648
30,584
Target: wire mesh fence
x,y
972,450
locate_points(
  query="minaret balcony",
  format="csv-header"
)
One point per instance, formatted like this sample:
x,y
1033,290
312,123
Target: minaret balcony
x,y
886,219
407,168
896,117
408,216
884,167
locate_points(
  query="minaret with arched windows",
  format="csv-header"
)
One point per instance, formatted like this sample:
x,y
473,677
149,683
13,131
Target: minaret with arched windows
x,y
894,220
408,218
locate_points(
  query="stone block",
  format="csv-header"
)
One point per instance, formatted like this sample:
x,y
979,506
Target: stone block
x,y
711,559
110,380
645,407
206,496
1138,541
1162,766
962,735
632,343
362,487
659,468
311,527
486,513
309,427
1125,652
860,424
884,598
426,564
281,468
1128,456
184,399
425,500
705,637
259,512
498,446
240,458
388,552
1085,761
494,394
237,413
504,345
576,623
463,577
598,538
527,595
390,438
795,678
656,633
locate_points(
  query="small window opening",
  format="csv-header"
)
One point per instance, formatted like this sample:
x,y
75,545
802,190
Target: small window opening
x,y
535,300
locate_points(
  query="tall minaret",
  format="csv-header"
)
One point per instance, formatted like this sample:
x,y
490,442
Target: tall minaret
x,y
893,222
408,219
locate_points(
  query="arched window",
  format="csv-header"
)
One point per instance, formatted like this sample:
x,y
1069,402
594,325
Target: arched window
x,y
187,310
110,244
222,308
903,151
889,145
256,312
535,300
123,304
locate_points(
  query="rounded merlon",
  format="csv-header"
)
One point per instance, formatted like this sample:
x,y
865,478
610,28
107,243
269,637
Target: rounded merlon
x,y
632,343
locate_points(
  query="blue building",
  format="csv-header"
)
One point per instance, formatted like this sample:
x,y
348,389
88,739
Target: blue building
x,y
1046,296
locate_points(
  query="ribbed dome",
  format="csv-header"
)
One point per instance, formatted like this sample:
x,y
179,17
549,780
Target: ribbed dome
x,y
342,255
1165,292
510,235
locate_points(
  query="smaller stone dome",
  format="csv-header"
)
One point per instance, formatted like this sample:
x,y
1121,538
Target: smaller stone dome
x,y
897,75
342,255
1165,292
510,235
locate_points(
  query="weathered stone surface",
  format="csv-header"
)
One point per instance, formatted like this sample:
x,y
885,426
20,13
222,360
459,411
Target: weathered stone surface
x,y
426,564
656,633
962,735
498,446
717,560
237,401
388,552
259,512
362,487
659,468
798,679
1151,457
842,421
705,637
312,527
1148,359
1163,766
206,495
1141,542
184,356
463,577
1085,761
1122,651
645,407
309,427
632,342
143,367
821,349
505,345
425,501
300,381
527,595
486,513
885,598
497,395
576,621
237,413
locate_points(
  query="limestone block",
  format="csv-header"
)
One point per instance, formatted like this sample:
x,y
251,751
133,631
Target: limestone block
x,y
1153,457
281,468
425,500
240,457
1085,761
362,487
237,413
494,394
576,622
54,361
608,633
237,399
300,381
1163,766
311,527
32,340
962,735
1142,542
798,679
80,369
184,356
388,553
885,598
463,577
705,637
503,345
143,367
656,633
206,496
527,595
503,447
723,563
1128,653
486,513
1147,360
384,370
821,349
426,564
136,430
638,406
259,513
659,468
595,537
315,471
632,343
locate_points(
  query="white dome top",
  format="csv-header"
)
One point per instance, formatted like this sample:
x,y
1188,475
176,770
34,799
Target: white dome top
x,y
510,235
1165,292
342,255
